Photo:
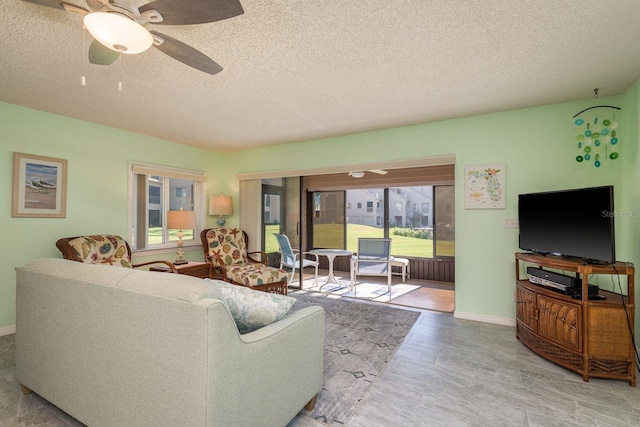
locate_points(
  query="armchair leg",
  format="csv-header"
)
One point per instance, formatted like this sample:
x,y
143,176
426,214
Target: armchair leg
x,y
311,404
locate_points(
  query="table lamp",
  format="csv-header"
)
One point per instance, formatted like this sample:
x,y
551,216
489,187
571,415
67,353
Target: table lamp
x,y
181,220
220,205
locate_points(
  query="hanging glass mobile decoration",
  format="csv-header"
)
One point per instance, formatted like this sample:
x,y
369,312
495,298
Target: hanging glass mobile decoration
x,y
597,134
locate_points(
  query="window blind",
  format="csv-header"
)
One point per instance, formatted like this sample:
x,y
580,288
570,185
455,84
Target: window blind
x,y
150,170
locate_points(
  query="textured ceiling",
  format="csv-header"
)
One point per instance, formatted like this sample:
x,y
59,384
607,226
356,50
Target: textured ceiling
x,y
303,69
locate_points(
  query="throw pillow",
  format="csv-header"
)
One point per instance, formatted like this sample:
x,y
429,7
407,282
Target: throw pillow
x,y
249,308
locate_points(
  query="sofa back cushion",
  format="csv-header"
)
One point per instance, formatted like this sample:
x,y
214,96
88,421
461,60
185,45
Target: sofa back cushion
x,y
172,286
249,308
227,243
102,249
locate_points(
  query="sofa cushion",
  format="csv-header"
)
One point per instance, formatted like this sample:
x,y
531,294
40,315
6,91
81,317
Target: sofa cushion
x,y
174,286
251,309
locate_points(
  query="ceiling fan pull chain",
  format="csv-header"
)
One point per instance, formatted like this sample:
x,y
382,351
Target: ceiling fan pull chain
x,y
84,36
120,73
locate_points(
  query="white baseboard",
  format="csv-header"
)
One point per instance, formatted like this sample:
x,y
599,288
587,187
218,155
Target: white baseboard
x,y
7,330
485,318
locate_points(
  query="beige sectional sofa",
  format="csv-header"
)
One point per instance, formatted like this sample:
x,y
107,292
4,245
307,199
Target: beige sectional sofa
x,y
118,347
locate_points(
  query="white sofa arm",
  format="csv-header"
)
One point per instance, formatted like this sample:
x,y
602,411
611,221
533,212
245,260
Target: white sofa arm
x,y
267,376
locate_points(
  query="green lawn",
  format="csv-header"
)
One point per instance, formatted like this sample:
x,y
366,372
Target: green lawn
x,y
330,236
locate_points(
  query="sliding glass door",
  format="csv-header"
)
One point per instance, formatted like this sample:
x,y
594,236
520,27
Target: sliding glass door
x,y
327,219
414,207
281,207
444,218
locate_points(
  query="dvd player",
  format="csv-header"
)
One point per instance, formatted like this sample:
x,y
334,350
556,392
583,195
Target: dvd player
x,y
562,283
552,279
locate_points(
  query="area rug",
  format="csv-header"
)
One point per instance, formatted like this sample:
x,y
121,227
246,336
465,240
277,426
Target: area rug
x,y
373,291
360,338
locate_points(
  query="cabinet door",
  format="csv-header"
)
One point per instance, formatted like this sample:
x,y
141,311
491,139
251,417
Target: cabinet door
x,y
559,322
609,334
525,307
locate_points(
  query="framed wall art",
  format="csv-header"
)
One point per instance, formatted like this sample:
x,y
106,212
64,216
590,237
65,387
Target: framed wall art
x,y
484,187
39,187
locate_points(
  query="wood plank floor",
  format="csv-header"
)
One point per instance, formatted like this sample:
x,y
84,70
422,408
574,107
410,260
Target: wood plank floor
x,y
455,372
447,372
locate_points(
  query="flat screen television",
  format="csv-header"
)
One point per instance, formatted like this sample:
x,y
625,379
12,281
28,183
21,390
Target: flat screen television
x,y
577,223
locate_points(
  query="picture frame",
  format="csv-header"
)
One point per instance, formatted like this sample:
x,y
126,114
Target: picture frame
x,y
39,187
484,187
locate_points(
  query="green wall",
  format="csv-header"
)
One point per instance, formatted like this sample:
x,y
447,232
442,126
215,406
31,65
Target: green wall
x,y
97,189
628,225
536,145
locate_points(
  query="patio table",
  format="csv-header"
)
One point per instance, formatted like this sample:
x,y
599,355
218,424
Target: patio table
x,y
330,254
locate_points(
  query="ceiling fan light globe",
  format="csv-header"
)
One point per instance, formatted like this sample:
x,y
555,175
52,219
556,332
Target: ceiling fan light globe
x,y
118,32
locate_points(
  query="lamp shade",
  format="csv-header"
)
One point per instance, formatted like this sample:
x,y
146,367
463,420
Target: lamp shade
x,y
118,32
181,220
220,205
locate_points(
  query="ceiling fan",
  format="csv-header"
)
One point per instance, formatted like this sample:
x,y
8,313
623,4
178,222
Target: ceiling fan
x,y
360,174
118,26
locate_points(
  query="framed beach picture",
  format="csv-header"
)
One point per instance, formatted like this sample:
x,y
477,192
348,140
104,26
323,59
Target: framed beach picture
x,y
39,187
484,187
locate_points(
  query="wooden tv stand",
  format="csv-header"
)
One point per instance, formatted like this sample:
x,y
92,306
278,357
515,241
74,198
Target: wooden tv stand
x,y
590,337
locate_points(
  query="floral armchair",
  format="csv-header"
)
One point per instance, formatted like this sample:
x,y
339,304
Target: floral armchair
x,y
102,249
226,250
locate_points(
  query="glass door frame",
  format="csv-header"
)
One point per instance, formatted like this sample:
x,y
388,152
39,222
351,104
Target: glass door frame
x,y
291,202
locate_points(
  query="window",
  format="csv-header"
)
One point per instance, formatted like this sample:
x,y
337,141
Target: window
x,y
409,220
156,190
359,205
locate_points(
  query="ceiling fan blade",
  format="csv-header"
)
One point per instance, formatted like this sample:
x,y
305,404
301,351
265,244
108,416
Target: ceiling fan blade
x,y
188,12
99,54
74,8
378,171
48,3
56,4
96,5
185,53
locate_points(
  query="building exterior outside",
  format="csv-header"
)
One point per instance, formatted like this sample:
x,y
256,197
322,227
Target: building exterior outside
x,y
408,207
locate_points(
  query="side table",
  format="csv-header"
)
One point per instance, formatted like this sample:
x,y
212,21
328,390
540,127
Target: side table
x,y
192,268
330,254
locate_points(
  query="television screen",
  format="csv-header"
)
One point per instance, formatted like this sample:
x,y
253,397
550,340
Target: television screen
x,y
575,223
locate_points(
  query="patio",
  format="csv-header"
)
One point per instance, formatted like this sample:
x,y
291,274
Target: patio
x,y
424,294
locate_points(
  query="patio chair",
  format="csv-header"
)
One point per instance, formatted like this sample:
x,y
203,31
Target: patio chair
x,y
226,250
102,249
372,259
292,258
